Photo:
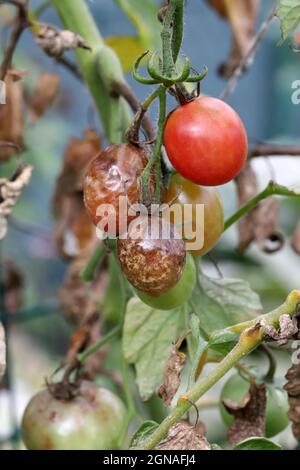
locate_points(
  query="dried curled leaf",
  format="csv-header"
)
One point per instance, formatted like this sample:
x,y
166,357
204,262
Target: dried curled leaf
x,y
249,415
296,240
55,41
288,327
261,224
185,436
80,300
10,191
44,95
2,352
293,389
73,231
171,380
13,284
242,15
11,115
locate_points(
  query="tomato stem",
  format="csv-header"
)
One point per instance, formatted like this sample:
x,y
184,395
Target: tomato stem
x,y
82,357
273,189
251,336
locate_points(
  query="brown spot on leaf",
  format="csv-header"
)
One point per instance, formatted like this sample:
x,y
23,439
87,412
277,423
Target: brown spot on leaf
x,y
293,389
288,327
44,95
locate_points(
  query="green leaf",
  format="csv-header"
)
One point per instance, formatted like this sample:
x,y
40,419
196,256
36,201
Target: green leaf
x,y
143,16
223,302
127,48
257,443
288,11
147,340
143,432
215,447
114,302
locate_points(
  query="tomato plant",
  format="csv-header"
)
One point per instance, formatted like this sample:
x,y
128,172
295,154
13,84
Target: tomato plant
x,y
151,323
91,421
178,294
206,141
277,408
181,191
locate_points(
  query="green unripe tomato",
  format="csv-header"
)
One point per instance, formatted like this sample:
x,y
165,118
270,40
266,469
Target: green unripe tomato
x,y
277,404
93,420
178,294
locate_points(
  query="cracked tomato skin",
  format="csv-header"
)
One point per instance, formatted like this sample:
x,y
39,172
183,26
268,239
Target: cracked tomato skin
x,y
206,141
113,173
182,192
236,388
178,294
91,421
153,265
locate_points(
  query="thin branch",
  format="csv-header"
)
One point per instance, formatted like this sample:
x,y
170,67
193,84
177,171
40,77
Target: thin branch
x,y
272,150
70,66
21,23
248,58
273,189
122,89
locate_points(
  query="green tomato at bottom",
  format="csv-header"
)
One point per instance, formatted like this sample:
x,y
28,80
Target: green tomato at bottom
x,y
179,294
277,404
93,420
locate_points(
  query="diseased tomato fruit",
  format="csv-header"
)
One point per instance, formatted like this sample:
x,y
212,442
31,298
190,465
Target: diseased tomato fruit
x,y
91,421
114,173
277,404
152,256
183,192
206,141
178,294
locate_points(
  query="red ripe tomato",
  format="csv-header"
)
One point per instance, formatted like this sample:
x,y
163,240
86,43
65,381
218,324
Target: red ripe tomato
x,y
206,141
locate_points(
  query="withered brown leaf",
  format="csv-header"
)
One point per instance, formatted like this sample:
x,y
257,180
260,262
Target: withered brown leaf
x,y
11,115
55,41
2,352
242,15
13,284
10,191
249,415
296,240
185,436
293,389
171,380
73,231
78,299
261,224
44,95
288,327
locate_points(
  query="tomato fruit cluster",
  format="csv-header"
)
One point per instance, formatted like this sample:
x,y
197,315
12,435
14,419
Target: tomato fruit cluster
x,y
277,404
90,421
206,141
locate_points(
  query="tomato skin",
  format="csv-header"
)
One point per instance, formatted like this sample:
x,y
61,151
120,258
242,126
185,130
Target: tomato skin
x,y
152,265
277,404
178,294
206,141
182,192
91,421
112,174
